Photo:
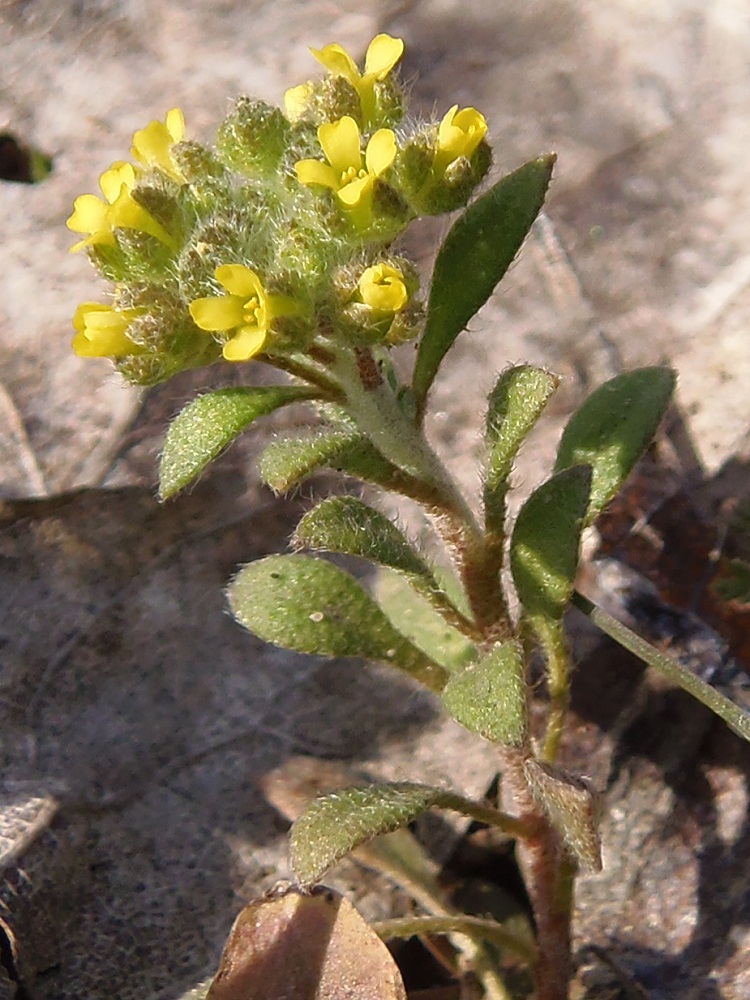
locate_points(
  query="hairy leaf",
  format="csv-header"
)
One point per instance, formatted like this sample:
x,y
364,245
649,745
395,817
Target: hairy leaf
x,y
289,460
514,406
571,807
335,824
477,252
346,524
489,696
544,547
311,606
209,423
612,428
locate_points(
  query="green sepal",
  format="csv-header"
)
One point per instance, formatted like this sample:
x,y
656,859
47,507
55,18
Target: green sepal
x,y
347,525
208,424
311,606
333,825
545,544
514,406
489,696
477,252
612,428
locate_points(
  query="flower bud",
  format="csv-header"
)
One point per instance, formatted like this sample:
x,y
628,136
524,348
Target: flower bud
x,y
253,138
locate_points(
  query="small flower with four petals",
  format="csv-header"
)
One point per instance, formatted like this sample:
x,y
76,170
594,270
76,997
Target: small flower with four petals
x,y
119,210
383,53
352,179
383,289
247,311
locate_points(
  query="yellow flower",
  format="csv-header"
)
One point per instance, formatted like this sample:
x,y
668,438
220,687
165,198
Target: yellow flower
x,y
382,288
459,134
119,210
248,310
383,53
152,145
101,331
345,173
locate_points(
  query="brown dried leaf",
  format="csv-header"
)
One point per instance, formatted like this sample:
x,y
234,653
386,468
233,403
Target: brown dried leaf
x,y
298,946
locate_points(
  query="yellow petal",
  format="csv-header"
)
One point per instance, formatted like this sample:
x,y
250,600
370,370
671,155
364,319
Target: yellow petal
x,y
296,101
341,144
152,145
239,280
112,181
101,331
126,213
89,214
383,53
175,122
338,61
382,288
356,191
315,172
460,132
381,151
246,343
218,312
84,310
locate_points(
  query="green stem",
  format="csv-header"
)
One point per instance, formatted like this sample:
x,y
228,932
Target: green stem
x,y
510,825
488,930
307,372
552,639
737,720
379,414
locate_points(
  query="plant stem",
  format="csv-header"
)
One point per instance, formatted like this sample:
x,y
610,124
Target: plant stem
x,y
737,720
543,860
552,639
379,414
488,930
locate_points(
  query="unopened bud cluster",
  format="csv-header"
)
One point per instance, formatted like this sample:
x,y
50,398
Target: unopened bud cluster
x,y
279,238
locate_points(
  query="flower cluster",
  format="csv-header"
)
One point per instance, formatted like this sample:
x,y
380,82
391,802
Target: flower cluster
x,y
279,239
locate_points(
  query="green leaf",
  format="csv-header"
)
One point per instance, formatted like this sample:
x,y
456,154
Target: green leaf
x,y
334,825
612,429
477,252
544,547
209,423
347,525
514,406
288,461
311,606
489,696
425,619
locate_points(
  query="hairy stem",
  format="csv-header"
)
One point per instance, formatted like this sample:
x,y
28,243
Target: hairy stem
x,y
547,876
552,639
